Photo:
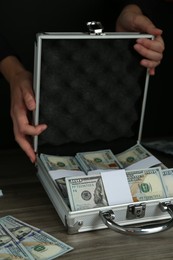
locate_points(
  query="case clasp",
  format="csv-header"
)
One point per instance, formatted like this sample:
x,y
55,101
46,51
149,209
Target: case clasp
x,y
136,211
95,28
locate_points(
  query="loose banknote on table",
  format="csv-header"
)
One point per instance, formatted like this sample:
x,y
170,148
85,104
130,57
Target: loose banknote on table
x,y
10,249
39,244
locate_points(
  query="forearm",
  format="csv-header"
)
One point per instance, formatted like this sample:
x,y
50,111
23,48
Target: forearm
x,y
10,67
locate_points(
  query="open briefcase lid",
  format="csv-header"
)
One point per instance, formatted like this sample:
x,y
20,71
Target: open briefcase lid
x,y
88,87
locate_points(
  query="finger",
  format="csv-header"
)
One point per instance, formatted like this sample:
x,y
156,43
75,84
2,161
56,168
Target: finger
x,y
22,125
149,64
152,71
144,24
151,29
21,121
26,146
148,53
157,44
23,138
29,98
23,132
33,130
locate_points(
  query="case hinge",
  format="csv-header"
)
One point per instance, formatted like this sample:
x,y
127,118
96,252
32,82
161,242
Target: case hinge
x,y
95,28
73,229
136,211
164,206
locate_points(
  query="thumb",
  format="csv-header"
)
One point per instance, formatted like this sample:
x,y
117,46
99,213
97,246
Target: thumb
x,y
144,24
28,97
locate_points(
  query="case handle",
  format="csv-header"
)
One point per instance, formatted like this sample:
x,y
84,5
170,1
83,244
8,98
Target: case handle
x,y
144,229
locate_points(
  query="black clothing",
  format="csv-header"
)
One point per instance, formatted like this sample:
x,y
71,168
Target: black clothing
x,y
157,10
159,108
144,5
21,20
5,49
27,19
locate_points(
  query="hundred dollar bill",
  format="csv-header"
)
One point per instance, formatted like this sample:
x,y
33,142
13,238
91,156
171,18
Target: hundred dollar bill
x,y
146,184
40,245
86,192
61,186
53,162
132,155
103,159
160,165
9,249
137,157
167,175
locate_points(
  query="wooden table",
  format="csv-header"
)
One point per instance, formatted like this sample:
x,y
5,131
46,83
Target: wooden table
x,y
25,198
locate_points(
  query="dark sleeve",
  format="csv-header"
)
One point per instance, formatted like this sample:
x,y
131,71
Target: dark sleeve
x,y
142,3
5,49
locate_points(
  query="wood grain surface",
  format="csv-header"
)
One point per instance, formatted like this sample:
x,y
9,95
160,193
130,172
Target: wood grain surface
x,y
25,198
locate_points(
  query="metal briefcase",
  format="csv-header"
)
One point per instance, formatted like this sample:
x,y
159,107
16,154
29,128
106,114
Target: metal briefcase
x,y
91,91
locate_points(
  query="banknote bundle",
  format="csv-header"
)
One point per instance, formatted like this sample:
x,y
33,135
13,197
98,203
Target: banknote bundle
x,y
94,160
167,176
86,161
86,192
90,191
136,157
53,162
146,184
132,155
61,186
19,240
144,174
60,167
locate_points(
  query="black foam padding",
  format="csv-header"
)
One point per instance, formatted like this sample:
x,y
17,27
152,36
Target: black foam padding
x,y
90,90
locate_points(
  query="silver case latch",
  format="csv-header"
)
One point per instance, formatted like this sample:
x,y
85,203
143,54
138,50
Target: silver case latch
x,y
95,28
136,211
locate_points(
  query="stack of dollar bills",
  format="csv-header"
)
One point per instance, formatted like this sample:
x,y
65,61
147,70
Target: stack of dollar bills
x,y
88,192
78,179
86,161
53,162
95,160
19,241
136,157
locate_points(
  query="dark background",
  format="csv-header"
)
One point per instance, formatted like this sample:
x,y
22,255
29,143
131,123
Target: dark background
x,y
21,20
